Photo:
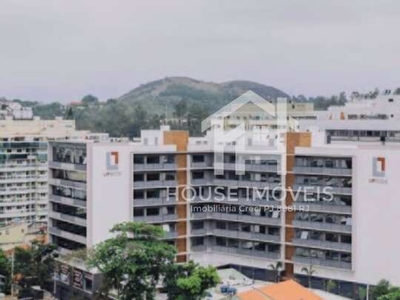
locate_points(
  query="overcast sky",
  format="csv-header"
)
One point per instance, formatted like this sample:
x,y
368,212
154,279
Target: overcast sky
x,y
60,50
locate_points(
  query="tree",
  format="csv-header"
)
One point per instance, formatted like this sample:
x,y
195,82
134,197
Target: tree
x,y
393,294
381,289
276,269
5,273
362,292
309,272
90,100
180,110
330,286
35,265
133,261
189,281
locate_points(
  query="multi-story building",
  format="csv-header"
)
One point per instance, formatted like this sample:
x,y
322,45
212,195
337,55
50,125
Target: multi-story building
x,y
330,207
24,170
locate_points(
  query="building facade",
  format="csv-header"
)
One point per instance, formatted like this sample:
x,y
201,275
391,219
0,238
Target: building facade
x,y
24,171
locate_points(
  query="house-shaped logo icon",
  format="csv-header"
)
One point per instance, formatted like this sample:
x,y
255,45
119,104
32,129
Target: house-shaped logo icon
x,y
247,123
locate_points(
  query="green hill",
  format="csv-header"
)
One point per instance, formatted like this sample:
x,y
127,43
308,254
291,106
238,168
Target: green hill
x,y
160,96
149,104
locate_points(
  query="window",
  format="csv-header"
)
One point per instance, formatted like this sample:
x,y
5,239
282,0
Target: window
x,y
220,241
220,225
169,176
198,158
197,225
138,177
198,175
152,159
153,211
198,241
233,243
138,194
153,194
138,212
153,176
138,159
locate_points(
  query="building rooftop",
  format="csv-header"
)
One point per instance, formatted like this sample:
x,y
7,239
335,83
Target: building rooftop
x,y
287,290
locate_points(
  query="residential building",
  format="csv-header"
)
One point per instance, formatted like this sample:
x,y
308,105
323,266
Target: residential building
x,y
24,169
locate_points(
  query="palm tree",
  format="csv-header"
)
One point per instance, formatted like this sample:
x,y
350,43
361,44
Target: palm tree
x,y
276,268
309,272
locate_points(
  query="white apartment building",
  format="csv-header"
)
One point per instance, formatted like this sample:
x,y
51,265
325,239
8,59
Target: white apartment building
x,y
24,169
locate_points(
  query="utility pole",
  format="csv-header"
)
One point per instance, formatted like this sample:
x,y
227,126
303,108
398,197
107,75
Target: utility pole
x,y
12,273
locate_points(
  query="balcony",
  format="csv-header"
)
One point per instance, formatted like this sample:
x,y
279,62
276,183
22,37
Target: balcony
x,y
67,218
322,244
16,213
67,235
22,167
253,167
322,262
67,183
170,235
156,219
322,188
201,165
325,207
154,167
155,183
255,236
17,190
246,252
322,226
154,201
246,235
245,183
199,248
322,171
66,200
67,166
236,217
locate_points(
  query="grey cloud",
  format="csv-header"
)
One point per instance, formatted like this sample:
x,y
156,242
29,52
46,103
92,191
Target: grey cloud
x,y
60,50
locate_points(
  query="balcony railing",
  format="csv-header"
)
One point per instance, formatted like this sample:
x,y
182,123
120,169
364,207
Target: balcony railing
x,y
322,244
67,166
155,183
253,167
67,218
322,171
157,218
67,183
246,252
325,207
236,217
154,167
67,200
322,226
322,188
322,262
67,235
154,201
